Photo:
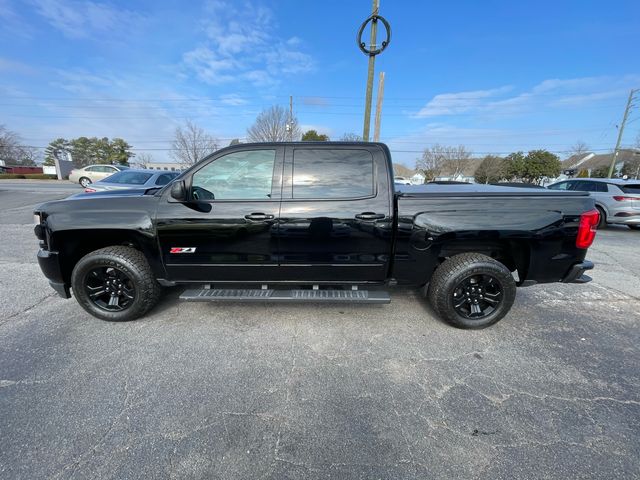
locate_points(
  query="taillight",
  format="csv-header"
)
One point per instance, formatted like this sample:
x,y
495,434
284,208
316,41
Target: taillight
x,y
622,198
587,228
89,190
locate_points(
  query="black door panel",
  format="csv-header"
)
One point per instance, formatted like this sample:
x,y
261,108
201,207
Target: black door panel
x,y
328,238
236,239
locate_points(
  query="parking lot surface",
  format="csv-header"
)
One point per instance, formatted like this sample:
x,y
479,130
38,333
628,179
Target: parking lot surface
x,y
299,391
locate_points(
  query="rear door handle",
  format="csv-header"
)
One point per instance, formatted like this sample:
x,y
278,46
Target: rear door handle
x,y
370,216
259,216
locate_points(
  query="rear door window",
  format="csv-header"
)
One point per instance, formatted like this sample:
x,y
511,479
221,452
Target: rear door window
x,y
630,188
165,178
332,173
587,186
129,178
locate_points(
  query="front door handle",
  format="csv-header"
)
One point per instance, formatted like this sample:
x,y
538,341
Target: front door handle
x,y
259,216
370,216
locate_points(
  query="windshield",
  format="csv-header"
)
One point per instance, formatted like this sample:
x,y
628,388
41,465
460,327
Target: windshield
x,y
130,177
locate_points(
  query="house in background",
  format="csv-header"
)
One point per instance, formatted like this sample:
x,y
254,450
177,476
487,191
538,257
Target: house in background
x,y
590,162
417,179
466,175
169,166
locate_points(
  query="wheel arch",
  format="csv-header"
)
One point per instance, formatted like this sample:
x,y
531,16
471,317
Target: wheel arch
x,y
513,254
72,245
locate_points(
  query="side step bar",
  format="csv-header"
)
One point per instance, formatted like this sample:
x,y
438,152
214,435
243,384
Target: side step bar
x,y
268,295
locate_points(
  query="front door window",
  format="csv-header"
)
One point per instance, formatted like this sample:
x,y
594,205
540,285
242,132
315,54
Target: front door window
x,y
245,175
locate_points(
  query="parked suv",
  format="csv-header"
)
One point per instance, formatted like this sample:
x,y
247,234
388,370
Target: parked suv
x,y
92,173
617,200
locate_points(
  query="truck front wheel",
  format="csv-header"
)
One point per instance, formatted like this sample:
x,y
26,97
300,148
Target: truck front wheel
x,y
471,290
115,283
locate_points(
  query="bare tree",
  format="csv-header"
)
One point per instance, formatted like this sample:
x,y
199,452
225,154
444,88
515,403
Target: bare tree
x,y
191,144
443,160
579,148
350,137
274,125
13,151
144,159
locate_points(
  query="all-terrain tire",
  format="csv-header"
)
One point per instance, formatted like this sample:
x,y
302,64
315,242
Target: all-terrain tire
x,y
131,263
453,272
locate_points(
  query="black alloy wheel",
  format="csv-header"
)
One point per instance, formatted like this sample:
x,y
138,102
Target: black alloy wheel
x,y
109,289
115,283
471,290
477,296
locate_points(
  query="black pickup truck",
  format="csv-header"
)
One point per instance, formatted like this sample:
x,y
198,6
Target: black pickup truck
x,y
312,222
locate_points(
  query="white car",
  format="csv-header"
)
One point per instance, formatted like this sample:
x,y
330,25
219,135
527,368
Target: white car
x,y
92,173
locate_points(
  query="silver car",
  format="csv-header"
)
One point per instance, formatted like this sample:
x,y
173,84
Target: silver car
x,y
93,173
618,201
128,179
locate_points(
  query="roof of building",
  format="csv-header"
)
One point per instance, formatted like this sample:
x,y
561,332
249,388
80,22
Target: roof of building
x,y
592,161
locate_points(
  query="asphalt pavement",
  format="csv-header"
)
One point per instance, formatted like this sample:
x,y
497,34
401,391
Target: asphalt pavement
x,y
240,391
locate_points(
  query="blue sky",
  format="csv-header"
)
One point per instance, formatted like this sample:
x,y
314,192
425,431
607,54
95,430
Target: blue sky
x,y
495,76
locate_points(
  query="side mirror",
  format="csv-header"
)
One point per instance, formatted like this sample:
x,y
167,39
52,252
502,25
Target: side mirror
x,y
179,191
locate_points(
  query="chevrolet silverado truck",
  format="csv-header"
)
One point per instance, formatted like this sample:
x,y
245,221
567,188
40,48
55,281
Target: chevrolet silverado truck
x,y
321,222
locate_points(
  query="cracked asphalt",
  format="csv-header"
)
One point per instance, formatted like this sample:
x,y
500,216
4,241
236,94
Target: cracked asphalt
x,y
243,391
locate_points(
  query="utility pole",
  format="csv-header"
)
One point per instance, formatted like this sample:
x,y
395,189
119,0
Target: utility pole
x,y
372,62
620,132
290,122
373,50
380,97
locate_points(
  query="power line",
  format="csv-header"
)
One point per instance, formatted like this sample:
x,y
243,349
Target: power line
x,y
392,150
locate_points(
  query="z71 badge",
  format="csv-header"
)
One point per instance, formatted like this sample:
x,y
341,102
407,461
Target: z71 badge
x,y
182,250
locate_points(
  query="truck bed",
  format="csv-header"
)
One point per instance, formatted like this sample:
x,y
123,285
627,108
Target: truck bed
x,y
434,220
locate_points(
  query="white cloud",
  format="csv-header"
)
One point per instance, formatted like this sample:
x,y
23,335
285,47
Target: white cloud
x,y
12,23
82,19
232,99
550,93
450,103
209,66
11,66
244,32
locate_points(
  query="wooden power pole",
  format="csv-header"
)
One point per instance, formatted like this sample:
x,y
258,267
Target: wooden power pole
x,y
376,125
372,61
290,122
620,132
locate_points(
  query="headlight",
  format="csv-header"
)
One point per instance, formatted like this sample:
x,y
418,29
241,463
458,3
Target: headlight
x,y
36,219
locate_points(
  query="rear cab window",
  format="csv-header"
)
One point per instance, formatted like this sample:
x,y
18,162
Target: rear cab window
x,y
325,173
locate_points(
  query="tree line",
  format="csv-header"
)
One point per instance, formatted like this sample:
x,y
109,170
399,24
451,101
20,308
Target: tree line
x,y
85,151
454,161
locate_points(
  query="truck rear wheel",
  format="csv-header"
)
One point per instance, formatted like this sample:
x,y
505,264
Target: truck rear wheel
x,y
115,283
472,290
